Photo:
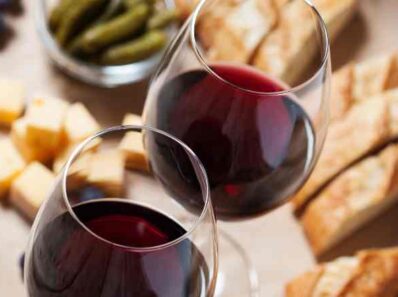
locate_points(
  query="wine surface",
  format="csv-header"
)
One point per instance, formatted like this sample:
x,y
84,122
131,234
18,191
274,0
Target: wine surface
x,y
257,148
67,260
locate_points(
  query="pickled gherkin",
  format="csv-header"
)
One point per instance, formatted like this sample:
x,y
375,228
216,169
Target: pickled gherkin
x,y
58,12
133,3
162,19
115,30
136,50
108,32
76,16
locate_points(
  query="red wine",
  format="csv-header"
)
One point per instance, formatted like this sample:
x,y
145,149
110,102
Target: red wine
x,y
257,148
67,260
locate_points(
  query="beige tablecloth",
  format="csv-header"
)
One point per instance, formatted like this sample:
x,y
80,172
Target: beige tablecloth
x,y
275,242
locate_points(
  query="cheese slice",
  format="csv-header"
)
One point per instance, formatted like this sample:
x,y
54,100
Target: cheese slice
x,y
28,150
11,165
12,96
79,123
106,171
31,188
44,123
132,146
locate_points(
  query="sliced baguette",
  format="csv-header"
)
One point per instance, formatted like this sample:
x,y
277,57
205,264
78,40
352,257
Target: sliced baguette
x,y
341,92
372,273
364,128
289,49
377,276
355,83
325,280
335,277
213,17
354,198
304,285
241,31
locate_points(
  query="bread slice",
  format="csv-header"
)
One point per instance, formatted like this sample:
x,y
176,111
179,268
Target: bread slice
x,y
375,76
354,198
289,49
325,280
341,92
241,31
364,128
377,276
357,82
304,285
212,16
372,273
335,277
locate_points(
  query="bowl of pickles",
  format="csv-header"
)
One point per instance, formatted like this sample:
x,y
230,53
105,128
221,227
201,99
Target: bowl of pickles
x,y
106,42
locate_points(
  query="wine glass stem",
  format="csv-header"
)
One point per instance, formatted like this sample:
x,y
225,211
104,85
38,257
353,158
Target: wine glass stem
x,y
240,275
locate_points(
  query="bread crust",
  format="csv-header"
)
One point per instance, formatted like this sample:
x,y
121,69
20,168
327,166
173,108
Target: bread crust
x,y
288,50
341,92
364,128
304,285
241,30
378,276
371,273
355,197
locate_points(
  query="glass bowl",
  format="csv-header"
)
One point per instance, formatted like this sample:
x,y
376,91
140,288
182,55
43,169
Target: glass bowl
x,y
104,76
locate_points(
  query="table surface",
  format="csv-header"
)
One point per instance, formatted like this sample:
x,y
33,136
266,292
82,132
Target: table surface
x,y
274,242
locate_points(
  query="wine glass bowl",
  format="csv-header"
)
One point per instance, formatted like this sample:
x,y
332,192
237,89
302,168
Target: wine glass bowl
x,y
108,230
257,130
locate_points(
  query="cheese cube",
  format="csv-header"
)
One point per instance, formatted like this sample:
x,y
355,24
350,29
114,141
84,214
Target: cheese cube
x,y
132,119
11,164
64,155
45,119
79,123
31,188
29,151
106,171
132,145
79,171
12,96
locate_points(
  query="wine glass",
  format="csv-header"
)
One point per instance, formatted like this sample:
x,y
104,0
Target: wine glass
x,y
257,122
110,231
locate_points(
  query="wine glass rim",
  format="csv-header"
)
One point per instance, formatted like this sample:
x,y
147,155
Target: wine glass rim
x,y
136,128
202,60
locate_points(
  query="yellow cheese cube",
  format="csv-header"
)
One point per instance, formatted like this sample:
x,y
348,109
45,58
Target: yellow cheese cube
x,y
29,151
106,171
45,119
132,145
12,96
11,164
64,155
79,171
31,188
132,119
79,123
